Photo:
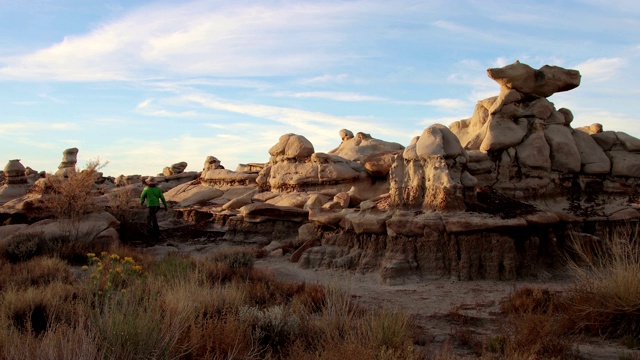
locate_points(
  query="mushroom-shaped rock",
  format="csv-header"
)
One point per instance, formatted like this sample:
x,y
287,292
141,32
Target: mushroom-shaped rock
x,y
210,163
69,161
292,146
175,169
543,82
438,140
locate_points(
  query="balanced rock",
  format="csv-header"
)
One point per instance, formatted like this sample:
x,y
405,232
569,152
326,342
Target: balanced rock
x,y
543,82
175,169
292,146
69,161
373,154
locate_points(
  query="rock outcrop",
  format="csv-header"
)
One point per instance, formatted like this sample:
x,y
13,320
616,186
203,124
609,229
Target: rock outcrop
x,y
69,161
495,196
16,182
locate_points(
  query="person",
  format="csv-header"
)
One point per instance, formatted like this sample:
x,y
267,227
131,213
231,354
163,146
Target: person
x,y
153,194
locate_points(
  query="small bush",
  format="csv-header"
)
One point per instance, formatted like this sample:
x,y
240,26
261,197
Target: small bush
x,y
23,246
234,257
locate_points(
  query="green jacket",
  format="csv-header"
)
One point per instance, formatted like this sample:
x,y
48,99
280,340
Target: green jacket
x,y
152,194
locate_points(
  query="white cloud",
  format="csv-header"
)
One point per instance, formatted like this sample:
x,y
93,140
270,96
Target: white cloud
x,y
197,38
327,78
600,69
332,95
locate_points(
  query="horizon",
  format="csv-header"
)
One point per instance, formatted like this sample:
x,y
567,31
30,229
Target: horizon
x,y
147,84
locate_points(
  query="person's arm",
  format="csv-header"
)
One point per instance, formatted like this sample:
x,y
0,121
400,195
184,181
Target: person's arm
x,y
164,202
143,196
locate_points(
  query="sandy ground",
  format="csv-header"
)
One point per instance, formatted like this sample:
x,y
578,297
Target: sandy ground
x,y
429,302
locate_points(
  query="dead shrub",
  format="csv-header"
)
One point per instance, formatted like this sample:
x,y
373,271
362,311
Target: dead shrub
x,y
74,196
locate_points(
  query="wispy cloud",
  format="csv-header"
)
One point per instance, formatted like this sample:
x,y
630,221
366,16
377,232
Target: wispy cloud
x,y
327,78
601,69
332,95
197,38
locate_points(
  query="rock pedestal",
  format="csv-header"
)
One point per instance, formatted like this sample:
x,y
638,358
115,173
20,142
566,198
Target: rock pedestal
x,y
14,172
69,161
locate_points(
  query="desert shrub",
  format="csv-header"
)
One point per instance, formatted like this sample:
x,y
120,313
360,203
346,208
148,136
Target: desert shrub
x,y
23,246
74,196
536,326
606,298
234,257
35,272
273,328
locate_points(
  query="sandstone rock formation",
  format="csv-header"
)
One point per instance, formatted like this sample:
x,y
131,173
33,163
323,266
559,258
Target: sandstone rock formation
x,y
374,154
175,169
16,183
494,196
69,161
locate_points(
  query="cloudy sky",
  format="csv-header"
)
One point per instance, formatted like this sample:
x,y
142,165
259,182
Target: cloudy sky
x,y
144,84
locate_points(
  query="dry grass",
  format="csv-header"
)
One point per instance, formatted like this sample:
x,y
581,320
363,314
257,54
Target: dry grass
x,y
171,308
607,294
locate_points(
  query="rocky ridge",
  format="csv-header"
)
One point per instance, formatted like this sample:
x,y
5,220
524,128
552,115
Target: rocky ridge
x,y
494,196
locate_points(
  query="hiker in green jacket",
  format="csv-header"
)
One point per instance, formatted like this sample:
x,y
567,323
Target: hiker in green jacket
x,y
153,195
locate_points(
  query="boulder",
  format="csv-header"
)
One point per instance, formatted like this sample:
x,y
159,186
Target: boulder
x,y
594,160
502,133
624,163
543,82
629,142
438,140
565,156
595,128
292,146
606,139
534,152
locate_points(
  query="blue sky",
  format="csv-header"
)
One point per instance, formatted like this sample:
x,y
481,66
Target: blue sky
x,y
145,84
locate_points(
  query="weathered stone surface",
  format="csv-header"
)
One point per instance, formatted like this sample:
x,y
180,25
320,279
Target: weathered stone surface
x,y
177,168
534,152
568,116
543,82
69,160
625,164
327,217
593,159
316,201
502,133
629,142
366,222
605,139
541,218
624,215
477,222
14,173
565,156
258,212
595,128
292,146
191,194
295,199
472,131
238,202
374,154
438,140
222,177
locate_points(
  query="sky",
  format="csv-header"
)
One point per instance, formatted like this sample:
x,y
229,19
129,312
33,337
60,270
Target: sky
x,y
145,84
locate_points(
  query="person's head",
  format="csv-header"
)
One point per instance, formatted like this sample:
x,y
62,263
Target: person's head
x,y
151,181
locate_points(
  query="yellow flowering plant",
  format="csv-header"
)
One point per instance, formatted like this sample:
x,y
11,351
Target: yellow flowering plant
x,y
111,273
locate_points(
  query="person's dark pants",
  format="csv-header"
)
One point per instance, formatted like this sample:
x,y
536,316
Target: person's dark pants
x,y
152,222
